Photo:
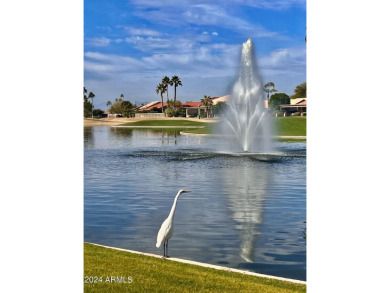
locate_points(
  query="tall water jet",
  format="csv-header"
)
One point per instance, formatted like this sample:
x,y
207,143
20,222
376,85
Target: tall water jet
x,y
245,121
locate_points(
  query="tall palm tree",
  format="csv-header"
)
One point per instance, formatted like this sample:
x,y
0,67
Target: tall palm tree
x,y
85,93
121,96
166,82
108,104
160,89
91,96
207,102
176,82
269,87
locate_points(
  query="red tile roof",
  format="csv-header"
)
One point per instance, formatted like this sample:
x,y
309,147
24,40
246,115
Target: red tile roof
x,y
191,104
152,105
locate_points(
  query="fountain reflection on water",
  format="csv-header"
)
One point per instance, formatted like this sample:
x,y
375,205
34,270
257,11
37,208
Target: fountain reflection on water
x,y
245,201
245,121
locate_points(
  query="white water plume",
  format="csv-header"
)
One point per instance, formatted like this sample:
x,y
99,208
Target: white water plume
x,y
246,120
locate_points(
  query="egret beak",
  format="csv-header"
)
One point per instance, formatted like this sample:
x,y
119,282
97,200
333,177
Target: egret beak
x,y
186,191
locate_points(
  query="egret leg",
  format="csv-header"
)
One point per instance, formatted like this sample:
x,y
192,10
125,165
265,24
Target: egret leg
x,y
167,248
165,243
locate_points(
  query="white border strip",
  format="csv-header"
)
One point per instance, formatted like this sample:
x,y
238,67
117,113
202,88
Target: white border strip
x,y
206,265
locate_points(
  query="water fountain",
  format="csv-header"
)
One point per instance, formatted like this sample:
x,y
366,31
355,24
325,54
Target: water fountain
x,y
246,128
245,121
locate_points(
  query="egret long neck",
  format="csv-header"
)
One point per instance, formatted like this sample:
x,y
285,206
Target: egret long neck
x,y
173,209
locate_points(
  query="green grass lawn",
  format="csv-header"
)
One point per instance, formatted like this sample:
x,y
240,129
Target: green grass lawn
x,y
150,274
290,126
283,126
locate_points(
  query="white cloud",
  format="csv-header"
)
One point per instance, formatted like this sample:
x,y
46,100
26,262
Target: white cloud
x,y
285,58
160,45
98,42
285,67
264,4
206,14
214,33
141,31
107,63
201,14
271,4
188,58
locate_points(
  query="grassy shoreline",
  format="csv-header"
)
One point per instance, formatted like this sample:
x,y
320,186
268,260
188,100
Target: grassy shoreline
x,y
150,274
283,126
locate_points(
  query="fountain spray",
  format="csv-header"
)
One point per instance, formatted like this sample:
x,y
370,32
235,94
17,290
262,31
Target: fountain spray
x,y
246,120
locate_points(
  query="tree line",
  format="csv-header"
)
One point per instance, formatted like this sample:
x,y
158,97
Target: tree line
x,y
127,109
120,106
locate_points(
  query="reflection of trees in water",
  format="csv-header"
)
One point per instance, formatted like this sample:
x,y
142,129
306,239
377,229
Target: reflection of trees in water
x,y
168,136
121,132
246,191
104,136
88,137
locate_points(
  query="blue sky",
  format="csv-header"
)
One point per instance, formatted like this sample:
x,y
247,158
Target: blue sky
x,y
130,45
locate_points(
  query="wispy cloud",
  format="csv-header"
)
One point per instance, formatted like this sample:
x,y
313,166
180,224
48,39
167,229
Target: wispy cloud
x,y
160,45
208,59
109,65
265,4
201,14
212,60
98,42
134,31
285,57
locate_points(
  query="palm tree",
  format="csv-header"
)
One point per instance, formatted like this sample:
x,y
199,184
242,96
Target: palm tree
x,y
108,104
176,82
207,102
85,93
268,88
160,89
91,96
166,82
121,97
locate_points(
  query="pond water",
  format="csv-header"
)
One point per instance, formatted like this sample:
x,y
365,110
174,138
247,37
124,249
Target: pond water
x,y
246,211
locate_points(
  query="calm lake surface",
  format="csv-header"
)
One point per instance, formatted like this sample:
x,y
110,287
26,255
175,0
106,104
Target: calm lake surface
x,y
246,211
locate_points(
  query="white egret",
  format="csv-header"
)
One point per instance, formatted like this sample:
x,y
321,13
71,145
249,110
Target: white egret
x,y
166,230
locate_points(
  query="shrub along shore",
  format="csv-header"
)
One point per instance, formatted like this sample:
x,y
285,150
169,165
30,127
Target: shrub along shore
x,y
110,270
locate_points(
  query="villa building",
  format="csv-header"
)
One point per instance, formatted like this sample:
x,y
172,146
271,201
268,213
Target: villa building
x,y
294,107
